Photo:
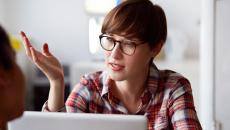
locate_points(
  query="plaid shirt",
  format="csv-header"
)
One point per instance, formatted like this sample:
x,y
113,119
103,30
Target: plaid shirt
x,y
167,100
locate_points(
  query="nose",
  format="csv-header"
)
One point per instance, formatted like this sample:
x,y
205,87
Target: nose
x,y
116,52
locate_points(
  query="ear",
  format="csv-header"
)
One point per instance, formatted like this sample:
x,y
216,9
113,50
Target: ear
x,y
157,49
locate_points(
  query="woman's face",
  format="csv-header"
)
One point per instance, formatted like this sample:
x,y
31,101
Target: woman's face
x,y
122,66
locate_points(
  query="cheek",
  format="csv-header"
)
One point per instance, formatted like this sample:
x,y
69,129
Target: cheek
x,y
106,58
107,53
138,61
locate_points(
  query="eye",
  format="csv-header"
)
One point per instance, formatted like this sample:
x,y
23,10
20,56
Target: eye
x,y
109,39
128,44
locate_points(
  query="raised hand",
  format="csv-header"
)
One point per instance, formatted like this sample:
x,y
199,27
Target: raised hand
x,y
44,60
51,67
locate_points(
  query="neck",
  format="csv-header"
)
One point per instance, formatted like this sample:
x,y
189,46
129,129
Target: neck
x,y
132,88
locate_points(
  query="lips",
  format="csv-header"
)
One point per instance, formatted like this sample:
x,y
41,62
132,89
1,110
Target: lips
x,y
116,67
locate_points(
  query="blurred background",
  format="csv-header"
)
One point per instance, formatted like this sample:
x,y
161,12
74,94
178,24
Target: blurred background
x,y
197,46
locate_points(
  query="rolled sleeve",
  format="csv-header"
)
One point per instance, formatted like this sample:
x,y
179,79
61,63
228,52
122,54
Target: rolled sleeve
x,y
45,108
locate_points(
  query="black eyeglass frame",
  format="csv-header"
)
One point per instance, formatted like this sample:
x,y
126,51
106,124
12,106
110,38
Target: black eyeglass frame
x,y
116,41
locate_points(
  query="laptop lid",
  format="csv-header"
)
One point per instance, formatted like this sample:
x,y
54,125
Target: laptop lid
x,y
77,121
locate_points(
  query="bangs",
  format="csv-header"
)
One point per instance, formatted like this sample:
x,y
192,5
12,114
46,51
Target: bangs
x,y
128,21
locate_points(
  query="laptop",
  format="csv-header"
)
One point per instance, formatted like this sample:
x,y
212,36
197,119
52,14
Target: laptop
x,y
77,121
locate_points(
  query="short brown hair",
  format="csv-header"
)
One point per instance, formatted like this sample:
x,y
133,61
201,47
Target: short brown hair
x,y
137,19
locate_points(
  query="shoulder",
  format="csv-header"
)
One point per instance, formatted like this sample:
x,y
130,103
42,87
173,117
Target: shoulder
x,y
166,81
171,78
175,83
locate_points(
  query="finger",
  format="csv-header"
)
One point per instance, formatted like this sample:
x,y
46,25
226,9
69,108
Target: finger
x,y
26,42
36,57
25,39
33,54
46,50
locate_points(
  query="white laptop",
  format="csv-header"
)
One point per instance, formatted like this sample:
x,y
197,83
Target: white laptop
x,y
77,121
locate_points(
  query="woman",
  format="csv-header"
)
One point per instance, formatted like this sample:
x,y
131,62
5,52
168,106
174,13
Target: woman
x,y
12,88
133,33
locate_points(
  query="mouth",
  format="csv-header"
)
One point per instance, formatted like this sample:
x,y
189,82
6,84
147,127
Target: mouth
x,y
116,67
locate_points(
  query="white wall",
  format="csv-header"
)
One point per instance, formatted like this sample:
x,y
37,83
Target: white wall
x,y
222,63
184,15
207,65
2,12
63,24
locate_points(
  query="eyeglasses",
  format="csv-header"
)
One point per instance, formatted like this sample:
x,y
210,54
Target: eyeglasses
x,y
128,47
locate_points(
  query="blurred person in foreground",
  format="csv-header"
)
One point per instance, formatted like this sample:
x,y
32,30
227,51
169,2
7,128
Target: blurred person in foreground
x,y
12,87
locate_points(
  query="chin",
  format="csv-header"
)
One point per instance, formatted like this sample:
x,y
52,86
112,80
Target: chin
x,y
116,77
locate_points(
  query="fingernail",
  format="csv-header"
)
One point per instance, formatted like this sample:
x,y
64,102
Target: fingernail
x,y
22,33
